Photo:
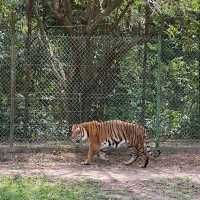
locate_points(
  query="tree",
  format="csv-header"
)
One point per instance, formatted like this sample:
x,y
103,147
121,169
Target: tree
x,y
94,64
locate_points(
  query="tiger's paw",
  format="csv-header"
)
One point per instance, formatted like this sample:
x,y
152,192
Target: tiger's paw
x,y
85,163
130,161
127,163
104,158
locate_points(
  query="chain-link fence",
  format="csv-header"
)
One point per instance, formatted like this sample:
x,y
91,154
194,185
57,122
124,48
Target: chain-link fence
x,y
5,75
50,80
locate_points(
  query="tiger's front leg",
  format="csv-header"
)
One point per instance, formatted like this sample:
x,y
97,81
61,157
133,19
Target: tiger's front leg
x,y
93,149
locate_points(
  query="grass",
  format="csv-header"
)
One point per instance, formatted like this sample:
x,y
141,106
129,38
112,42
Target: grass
x,y
181,188
34,188
19,188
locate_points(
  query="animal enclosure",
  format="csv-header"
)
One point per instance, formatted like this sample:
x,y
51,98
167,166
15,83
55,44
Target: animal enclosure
x,y
50,80
64,62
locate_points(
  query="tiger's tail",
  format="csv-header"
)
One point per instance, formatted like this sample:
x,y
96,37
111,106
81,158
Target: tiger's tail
x,y
148,147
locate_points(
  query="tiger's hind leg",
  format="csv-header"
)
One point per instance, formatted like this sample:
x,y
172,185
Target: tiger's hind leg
x,y
134,156
135,153
146,161
145,157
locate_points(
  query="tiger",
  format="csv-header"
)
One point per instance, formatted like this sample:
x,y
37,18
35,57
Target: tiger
x,y
112,133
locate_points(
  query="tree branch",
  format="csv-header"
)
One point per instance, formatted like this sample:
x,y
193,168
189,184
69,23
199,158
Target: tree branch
x,y
92,10
111,5
57,11
122,14
64,18
29,14
118,53
57,66
114,56
68,10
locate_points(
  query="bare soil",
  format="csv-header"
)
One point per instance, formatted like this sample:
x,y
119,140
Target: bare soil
x,y
174,175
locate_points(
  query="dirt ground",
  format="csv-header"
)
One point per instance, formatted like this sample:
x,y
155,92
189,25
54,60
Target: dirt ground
x,y
174,175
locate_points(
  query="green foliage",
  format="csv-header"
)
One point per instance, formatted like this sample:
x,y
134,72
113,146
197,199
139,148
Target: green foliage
x,y
179,66
7,6
41,189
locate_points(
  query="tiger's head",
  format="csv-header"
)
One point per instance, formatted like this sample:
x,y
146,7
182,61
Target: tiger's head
x,y
78,133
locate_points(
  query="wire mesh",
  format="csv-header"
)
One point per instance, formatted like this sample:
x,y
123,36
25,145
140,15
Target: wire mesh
x,y
4,82
62,80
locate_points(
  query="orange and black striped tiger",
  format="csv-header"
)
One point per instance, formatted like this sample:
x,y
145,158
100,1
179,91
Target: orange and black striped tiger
x,y
112,133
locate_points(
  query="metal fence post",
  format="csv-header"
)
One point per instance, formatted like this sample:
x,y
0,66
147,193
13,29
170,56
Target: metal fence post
x,y
80,107
199,67
13,79
158,90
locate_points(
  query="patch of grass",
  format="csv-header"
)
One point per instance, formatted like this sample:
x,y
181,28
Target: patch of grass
x,y
181,188
19,188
